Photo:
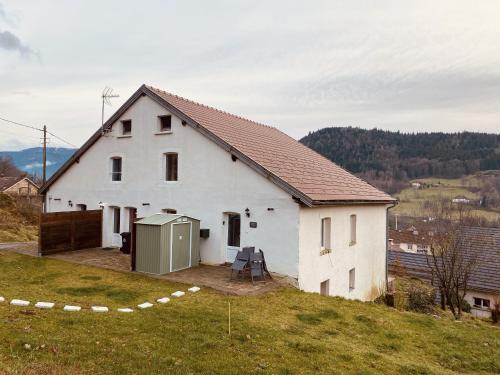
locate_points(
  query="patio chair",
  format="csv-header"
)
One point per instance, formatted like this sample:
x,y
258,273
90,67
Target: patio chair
x,y
264,265
257,266
248,249
240,264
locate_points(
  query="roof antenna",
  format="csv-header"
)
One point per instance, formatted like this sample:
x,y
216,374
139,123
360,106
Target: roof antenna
x,y
107,94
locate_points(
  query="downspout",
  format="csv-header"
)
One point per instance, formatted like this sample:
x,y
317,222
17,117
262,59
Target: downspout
x,y
387,244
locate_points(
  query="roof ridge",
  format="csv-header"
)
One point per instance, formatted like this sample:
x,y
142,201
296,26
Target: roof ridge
x,y
210,107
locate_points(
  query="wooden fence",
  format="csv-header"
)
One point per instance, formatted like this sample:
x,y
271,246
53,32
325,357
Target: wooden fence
x,y
74,230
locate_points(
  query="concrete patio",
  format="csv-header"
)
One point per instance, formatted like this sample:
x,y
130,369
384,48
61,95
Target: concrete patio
x,y
216,277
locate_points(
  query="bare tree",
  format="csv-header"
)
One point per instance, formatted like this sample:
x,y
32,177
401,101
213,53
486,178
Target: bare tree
x,y
451,257
8,168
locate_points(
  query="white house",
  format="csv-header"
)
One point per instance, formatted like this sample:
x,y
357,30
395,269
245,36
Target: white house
x,y
460,199
248,183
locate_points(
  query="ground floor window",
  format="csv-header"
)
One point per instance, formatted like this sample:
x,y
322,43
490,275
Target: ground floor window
x,y
481,303
233,230
116,219
324,288
352,279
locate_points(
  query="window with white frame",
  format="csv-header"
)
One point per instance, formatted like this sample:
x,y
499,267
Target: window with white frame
x,y
481,303
116,219
353,230
326,233
352,279
171,166
410,246
116,169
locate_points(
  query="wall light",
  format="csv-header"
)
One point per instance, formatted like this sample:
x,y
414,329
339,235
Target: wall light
x,y
247,212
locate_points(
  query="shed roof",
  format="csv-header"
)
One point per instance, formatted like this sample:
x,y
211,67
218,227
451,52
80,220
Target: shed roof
x,y
158,219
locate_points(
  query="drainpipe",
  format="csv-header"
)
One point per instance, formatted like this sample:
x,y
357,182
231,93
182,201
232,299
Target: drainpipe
x,y
387,244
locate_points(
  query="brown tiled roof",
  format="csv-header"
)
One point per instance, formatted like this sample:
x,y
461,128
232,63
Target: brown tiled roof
x,y
294,167
7,182
408,236
297,165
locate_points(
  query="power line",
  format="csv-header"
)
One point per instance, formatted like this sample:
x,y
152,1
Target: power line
x,y
17,123
41,130
62,140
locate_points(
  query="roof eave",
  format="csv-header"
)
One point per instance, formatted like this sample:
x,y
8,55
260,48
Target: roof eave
x,y
336,202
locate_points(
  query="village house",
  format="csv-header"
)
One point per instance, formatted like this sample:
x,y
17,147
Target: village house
x,y
484,283
247,183
18,186
410,240
461,199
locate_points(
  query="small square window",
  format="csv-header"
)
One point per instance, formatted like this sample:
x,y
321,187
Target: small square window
x,y
126,127
166,123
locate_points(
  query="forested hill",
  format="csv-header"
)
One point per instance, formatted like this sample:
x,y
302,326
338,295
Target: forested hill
x,y
406,156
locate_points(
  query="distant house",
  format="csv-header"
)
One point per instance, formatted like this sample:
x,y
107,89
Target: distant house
x,y
249,184
484,284
461,199
410,240
18,186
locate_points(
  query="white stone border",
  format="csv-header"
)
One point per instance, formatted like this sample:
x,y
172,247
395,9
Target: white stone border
x,y
101,309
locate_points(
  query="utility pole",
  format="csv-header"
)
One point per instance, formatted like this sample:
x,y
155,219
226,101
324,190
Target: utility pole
x,y
44,178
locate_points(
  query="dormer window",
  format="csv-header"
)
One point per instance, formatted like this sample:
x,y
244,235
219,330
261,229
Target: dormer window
x,y
127,127
165,124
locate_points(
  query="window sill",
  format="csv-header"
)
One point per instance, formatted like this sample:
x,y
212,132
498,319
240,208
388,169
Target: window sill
x,y
124,136
164,132
325,251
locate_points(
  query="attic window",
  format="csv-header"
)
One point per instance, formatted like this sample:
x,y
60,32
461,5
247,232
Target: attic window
x,y
127,127
165,123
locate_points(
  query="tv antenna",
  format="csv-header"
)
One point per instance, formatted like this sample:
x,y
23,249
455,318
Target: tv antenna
x,y
107,94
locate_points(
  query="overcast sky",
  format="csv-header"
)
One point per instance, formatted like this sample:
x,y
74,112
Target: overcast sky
x,y
297,65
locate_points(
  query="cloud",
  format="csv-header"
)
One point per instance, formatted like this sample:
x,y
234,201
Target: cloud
x,y
11,42
37,165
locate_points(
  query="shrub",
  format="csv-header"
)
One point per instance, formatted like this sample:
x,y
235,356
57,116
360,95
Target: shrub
x,y
413,294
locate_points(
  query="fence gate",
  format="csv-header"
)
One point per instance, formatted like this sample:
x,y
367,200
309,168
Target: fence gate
x,y
73,230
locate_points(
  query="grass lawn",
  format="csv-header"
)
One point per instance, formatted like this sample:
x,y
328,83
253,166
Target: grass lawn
x,y
283,332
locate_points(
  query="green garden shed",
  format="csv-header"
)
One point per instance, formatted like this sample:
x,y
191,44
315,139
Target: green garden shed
x,y
167,243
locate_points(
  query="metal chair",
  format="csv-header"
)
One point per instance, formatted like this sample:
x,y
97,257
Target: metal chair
x,y
257,266
241,263
264,265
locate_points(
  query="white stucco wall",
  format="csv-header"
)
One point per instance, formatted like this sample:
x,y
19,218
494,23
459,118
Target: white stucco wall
x,y
367,256
480,312
210,183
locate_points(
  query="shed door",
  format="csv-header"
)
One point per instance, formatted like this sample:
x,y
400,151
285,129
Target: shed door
x,y
180,250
